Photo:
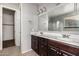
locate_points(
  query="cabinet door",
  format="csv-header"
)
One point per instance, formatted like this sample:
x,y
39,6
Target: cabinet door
x,y
44,41
43,47
42,50
35,43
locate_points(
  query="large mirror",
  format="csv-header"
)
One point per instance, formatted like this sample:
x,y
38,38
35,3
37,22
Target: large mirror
x,y
63,18
55,23
64,22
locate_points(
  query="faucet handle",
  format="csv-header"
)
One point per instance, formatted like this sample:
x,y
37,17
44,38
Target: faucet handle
x,y
41,33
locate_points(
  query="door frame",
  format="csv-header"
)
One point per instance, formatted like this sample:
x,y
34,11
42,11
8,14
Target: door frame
x,y
16,11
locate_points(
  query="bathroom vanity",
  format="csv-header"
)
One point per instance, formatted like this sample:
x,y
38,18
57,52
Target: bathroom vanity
x,y
58,22
49,46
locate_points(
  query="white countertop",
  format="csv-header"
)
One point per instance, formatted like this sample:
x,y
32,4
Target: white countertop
x,y
68,41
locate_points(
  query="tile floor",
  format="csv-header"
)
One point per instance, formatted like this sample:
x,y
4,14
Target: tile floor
x,y
15,51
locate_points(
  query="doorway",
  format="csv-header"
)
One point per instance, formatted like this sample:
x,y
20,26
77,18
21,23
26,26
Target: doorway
x,y
8,27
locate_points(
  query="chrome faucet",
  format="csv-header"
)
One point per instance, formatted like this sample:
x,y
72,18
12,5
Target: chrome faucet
x,y
66,36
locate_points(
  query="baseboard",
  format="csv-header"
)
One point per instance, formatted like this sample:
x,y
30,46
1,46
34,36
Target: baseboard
x,y
26,51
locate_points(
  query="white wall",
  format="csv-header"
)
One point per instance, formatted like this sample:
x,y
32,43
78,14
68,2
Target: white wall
x,y
17,27
13,6
28,17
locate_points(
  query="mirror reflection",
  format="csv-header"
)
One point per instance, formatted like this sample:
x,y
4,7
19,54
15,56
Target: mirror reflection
x,y
61,18
64,22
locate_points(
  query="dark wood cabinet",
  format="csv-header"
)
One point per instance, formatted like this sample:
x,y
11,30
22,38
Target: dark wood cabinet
x,y
62,48
39,45
54,51
47,47
35,43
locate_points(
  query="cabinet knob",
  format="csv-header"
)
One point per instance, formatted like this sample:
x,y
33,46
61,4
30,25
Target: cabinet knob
x,y
42,46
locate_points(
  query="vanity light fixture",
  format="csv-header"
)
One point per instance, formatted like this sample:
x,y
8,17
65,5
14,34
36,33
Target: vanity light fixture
x,y
41,10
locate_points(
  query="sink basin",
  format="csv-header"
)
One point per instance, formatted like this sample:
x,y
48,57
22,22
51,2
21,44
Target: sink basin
x,y
56,37
52,36
60,38
66,39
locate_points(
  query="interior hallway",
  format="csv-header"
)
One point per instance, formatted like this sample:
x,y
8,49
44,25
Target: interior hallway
x,y
15,51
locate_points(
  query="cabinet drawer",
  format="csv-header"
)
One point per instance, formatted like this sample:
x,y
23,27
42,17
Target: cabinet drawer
x,y
43,47
43,41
